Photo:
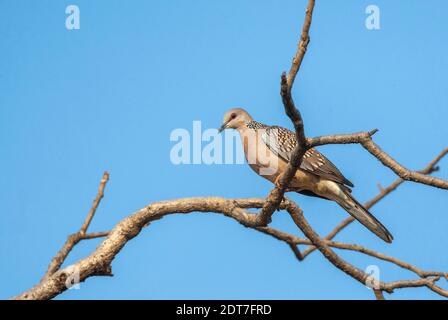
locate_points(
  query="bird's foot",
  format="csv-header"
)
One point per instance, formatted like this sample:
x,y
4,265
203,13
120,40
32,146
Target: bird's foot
x,y
277,183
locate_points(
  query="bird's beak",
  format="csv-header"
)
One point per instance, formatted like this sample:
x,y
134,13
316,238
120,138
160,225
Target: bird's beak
x,y
223,127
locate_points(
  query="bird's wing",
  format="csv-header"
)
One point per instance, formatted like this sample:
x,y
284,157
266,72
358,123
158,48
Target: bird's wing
x,y
282,142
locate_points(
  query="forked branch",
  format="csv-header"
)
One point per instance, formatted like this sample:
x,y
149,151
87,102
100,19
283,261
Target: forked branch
x,y
98,263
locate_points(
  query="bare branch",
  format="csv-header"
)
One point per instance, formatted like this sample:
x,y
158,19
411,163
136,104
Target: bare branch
x,y
401,171
365,139
96,203
95,235
430,168
292,240
276,195
378,294
75,238
357,248
99,262
296,251
303,44
298,218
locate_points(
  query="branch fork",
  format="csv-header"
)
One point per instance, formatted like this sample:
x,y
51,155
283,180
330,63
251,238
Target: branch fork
x,y
99,262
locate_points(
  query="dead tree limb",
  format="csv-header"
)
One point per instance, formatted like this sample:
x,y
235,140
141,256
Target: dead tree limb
x,y
429,169
75,238
98,263
276,195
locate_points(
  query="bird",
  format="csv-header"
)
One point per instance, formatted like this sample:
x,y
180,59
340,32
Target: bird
x,y
268,150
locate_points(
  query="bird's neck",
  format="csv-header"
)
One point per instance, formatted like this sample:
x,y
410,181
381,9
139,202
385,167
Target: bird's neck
x,y
250,128
254,125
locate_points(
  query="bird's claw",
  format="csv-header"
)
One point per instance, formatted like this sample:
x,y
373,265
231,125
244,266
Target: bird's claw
x,y
277,183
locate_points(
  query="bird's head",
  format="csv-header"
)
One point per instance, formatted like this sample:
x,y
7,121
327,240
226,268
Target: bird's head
x,y
235,119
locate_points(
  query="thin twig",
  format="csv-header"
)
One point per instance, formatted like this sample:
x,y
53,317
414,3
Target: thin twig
x,y
302,45
96,203
75,238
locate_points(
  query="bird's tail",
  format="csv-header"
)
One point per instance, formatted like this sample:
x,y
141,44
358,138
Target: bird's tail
x,y
357,211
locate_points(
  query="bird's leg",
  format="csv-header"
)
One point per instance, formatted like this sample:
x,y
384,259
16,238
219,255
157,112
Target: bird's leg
x,y
277,182
279,186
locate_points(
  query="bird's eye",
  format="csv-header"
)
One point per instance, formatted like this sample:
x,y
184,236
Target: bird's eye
x,y
233,116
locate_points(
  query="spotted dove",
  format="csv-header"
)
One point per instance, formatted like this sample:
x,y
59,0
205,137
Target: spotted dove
x,y
268,150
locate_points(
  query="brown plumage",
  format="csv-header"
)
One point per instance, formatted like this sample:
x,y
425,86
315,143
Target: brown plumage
x,y
268,150
283,141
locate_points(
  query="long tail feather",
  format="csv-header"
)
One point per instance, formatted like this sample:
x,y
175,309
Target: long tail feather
x,y
357,211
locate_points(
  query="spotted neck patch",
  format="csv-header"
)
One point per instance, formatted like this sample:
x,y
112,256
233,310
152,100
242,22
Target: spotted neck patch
x,y
255,125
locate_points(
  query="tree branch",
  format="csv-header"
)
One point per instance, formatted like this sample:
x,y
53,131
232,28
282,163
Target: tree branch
x,y
303,44
365,139
75,238
276,195
430,168
95,204
378,294
299,219
293,241
99,262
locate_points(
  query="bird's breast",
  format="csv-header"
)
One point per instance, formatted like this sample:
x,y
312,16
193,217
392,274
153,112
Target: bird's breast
x,y
267,164
259,157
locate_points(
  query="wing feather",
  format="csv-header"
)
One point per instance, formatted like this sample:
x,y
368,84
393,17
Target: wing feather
x,y
282,142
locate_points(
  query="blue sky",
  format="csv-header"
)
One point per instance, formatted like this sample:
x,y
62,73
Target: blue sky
x,y
107,96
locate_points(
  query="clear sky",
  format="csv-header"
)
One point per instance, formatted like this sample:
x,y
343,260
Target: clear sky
x,y
107,96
